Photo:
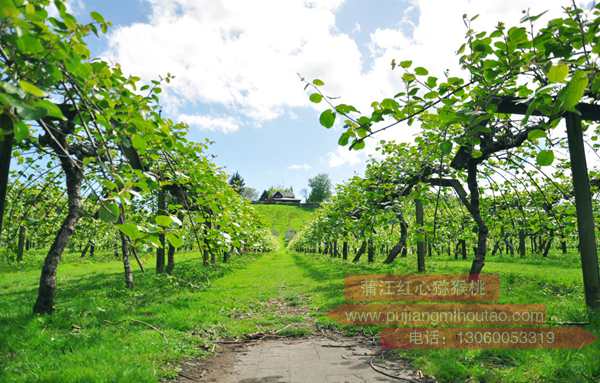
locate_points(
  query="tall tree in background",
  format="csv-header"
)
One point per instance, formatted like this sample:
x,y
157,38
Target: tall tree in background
x,y
249,193
320,188
237,182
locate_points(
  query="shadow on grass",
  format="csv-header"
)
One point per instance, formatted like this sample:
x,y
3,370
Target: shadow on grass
x,y
95,302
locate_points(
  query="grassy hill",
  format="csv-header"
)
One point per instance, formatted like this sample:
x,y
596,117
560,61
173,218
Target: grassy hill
x,y
283,220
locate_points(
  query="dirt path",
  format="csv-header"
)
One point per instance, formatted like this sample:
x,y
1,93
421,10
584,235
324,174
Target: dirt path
x,y
312,359
321,357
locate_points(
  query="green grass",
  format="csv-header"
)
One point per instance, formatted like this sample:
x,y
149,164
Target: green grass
x,y
284,219
526,281
102,332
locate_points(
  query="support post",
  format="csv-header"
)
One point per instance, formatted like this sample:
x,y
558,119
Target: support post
x,y
421,236
585,217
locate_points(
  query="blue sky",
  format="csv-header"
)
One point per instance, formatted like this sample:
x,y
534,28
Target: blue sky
x,y
236,65
263,154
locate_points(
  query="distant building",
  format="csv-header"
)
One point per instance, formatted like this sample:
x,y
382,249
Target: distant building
x,y
285,197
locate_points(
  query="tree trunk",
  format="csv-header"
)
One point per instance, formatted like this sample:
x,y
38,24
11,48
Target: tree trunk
x,y
400,247
6,145
73,174
21,243
482,230
345,250
126,263
160,252
92,248
522,249
171,259
370,251
360,252
511,248
548,245
85,249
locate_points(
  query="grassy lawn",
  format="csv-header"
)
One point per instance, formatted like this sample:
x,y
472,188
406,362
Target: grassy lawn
x,y
102,332
557,285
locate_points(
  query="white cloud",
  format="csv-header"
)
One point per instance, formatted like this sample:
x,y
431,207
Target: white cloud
x,y
240,54
436,35
342,156
303,167
245,55
219,124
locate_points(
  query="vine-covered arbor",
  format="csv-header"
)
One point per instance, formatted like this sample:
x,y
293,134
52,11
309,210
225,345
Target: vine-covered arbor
x,y
499,130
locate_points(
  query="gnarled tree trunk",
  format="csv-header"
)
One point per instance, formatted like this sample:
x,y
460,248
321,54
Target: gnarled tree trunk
x,y
360,252
47,288
482,230
400,247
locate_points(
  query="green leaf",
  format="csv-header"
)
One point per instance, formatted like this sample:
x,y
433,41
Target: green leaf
x,y
28,112
345,109
574,91
327,118
545,158
174,240
98,17
29,44
408,77
21,131
31,89
316,98
109,213
318,82
517,35
406,63
358,145
51,109
131,230
558,72
138,142
163,220
446,147
390,104
344,137
8,9
535,134
431,81
420,71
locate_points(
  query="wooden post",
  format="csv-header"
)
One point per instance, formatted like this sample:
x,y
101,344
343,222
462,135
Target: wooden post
x,y
585,217
6,145
420,239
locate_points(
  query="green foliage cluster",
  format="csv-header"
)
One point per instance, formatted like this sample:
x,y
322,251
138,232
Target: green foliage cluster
x,y
131,177
490,138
